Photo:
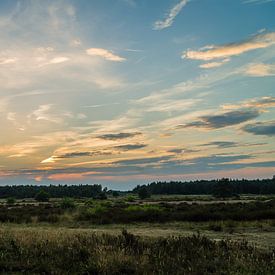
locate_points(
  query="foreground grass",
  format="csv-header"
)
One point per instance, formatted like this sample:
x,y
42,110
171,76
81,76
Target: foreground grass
x,y
258,233
75,252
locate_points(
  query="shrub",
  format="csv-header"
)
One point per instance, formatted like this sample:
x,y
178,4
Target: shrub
x,y
130,198
115,194
67,203
10,201
144,208
42,196
101,196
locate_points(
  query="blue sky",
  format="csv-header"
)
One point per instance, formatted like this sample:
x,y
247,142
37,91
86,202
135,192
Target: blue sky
x,y
129,91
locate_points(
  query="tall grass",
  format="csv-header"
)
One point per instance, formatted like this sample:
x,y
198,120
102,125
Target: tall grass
x,y
76,252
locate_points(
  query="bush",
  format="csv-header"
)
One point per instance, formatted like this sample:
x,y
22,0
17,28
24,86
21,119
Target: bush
x,y
144,208
115,194
11,201
67,203
42,196
101,196
130,198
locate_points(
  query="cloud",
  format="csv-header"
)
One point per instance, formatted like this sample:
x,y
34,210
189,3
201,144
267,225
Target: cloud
x,y
51,159
260,70
182,151
266,128
165,164
259,41
59,59
168,105
119,136
4,61
222,144
142,161
77,154
108,55
230,144
128,147
168,21
45,112
263,102
211,65
223,120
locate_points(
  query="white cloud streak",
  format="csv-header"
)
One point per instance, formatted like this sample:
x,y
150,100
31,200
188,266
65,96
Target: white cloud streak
x,y
169,20
211,65
259,41
106,54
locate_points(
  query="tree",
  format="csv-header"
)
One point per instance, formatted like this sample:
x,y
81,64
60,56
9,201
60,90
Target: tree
x,y
143,193
42,196
223,189
115,194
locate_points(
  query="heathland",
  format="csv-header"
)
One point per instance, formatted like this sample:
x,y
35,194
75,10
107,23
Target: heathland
x,y
160,228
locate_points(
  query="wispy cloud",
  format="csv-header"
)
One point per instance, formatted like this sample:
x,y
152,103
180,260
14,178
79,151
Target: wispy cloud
x,y
211,65
169,19
45,112
260,70
207,53
106,54
261,103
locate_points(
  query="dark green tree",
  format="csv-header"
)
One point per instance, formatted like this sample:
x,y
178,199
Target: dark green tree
x,y
42,196
143,193
223,189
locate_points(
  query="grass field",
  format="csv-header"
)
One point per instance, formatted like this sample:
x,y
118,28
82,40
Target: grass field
x,y
82,236
78,251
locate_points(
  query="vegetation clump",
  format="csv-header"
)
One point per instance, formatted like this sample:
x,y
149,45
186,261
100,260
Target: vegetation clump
x,y
11,201
144,193
42,196
67,203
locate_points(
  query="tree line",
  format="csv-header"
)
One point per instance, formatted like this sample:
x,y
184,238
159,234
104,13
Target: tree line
x,y
221,188
53,191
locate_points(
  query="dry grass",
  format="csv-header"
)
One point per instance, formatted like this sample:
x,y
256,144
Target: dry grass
x,y
49,251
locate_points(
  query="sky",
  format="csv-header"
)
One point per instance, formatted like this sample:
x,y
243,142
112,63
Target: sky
x,y
125,92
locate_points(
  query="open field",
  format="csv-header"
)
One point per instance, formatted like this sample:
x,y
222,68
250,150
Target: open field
x,y
129,235
261,234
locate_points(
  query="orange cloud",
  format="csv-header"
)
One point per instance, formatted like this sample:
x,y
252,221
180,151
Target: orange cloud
x,y
71,176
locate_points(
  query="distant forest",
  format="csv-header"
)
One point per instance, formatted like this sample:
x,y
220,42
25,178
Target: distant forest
x,y
220,188
54,191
